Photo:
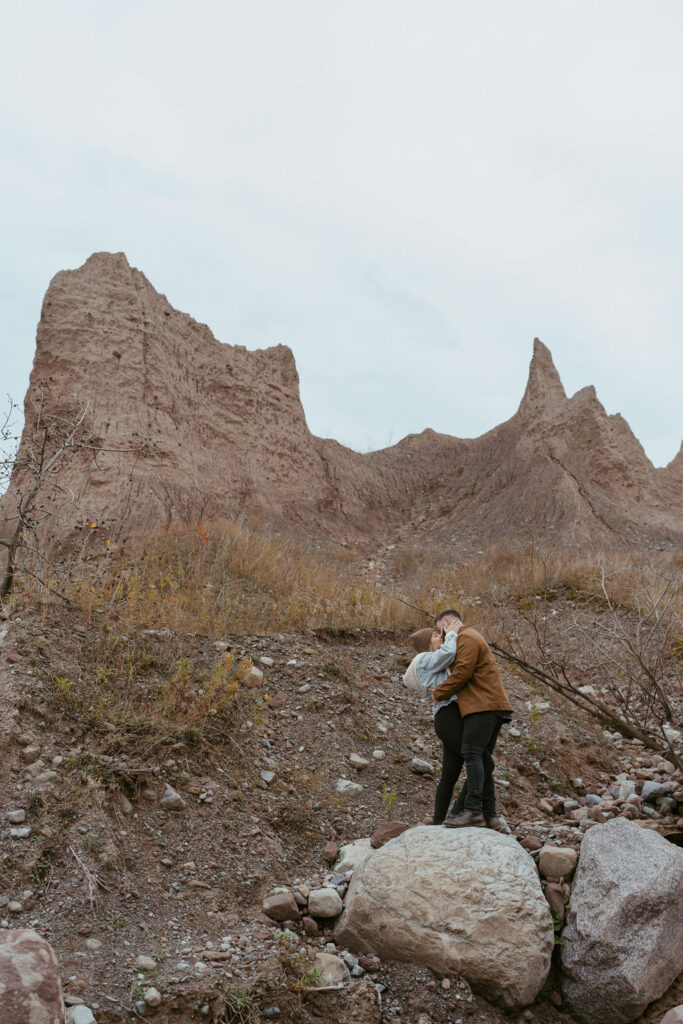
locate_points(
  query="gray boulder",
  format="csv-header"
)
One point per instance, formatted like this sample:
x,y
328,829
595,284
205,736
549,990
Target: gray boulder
x,y
623,944
462,901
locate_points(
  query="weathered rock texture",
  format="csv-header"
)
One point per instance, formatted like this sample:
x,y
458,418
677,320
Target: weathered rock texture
x,y
623,944
465,902
227,427
30,989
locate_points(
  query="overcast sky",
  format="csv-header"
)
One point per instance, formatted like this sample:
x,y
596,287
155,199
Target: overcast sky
x,y
403,191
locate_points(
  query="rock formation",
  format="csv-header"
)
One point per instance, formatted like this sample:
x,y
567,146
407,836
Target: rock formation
x,y
463,901
224,427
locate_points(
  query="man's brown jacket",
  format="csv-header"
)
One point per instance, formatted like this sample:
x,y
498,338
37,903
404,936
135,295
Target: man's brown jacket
x,y
474,677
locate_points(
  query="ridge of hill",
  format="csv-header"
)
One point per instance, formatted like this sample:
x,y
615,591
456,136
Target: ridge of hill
x,y
228,431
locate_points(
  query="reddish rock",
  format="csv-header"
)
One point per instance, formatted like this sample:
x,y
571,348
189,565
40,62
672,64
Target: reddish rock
x,y
555,997
331,851
555,897
29,979
281,907
531,843
595,814
311,926
386,831
13,658
277,700
370,962
558,806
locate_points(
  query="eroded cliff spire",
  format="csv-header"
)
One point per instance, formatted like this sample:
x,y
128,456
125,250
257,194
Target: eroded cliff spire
x,y
544,388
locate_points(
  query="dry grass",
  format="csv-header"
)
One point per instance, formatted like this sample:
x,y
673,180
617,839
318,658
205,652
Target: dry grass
x,y
227,580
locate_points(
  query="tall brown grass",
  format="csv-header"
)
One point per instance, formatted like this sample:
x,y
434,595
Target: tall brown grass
x,y
228,579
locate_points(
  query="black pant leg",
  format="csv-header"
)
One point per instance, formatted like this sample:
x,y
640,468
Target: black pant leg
x,y
489,796
448,725
478,729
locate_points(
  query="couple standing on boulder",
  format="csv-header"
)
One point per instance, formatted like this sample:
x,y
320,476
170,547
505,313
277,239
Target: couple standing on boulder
x,y
470,706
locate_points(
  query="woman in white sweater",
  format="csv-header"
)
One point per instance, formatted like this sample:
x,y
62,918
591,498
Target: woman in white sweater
x,y
425,672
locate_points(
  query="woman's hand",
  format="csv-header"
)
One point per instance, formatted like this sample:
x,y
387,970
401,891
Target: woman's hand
x,y
436,640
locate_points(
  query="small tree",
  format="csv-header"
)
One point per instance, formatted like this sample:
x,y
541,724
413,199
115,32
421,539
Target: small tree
x,y
616,654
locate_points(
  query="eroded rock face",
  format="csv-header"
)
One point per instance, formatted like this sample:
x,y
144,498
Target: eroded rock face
x,y
30,988
461,901
226,426
623,943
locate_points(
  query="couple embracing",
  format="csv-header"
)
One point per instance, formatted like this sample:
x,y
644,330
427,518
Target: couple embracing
x,y
469,705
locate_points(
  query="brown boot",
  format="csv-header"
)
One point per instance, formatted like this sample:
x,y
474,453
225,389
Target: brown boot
x,y
493,822
465,819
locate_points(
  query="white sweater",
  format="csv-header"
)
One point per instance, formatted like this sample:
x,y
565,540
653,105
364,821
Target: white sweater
x,y
430,668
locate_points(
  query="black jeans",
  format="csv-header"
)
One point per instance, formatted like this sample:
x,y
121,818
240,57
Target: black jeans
x,y
448,725
479,736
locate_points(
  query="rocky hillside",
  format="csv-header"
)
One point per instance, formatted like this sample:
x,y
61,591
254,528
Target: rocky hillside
x,y
177,419
197,875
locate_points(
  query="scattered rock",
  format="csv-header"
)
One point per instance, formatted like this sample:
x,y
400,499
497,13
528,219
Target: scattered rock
x,y
378,754
29,979
358,762
386,831
623,944
331,851
171,800
145,963
255,679
421,767
483,914
348,788
334,970
281,907
80,1015
557,862
16,817
674,1016
531,843
324,903
152,996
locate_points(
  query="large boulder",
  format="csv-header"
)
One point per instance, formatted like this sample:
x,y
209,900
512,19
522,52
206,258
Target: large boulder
x,y
623,944
30,989
461,901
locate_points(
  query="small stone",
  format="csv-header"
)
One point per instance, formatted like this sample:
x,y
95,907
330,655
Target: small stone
x,y
324,903
93,944
16,817
220,645
148,793
271,1012
378,754
268,662
331,851
145,963
386,831
172,801
546,806
30,754
310,927
15,907
152,996
255,678
421,767
358,762
20,833
348,788
281,907
531,843
267,777
592,800
446,984
653,790
80,1015
125,805
557,861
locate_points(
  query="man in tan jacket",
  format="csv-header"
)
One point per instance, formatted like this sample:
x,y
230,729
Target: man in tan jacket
x,y
484,707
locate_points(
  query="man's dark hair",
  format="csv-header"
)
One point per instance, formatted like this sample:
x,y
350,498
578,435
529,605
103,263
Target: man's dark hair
x,y
447,611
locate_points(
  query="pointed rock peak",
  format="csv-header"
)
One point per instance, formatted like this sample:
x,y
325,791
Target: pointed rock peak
x,y
544,386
